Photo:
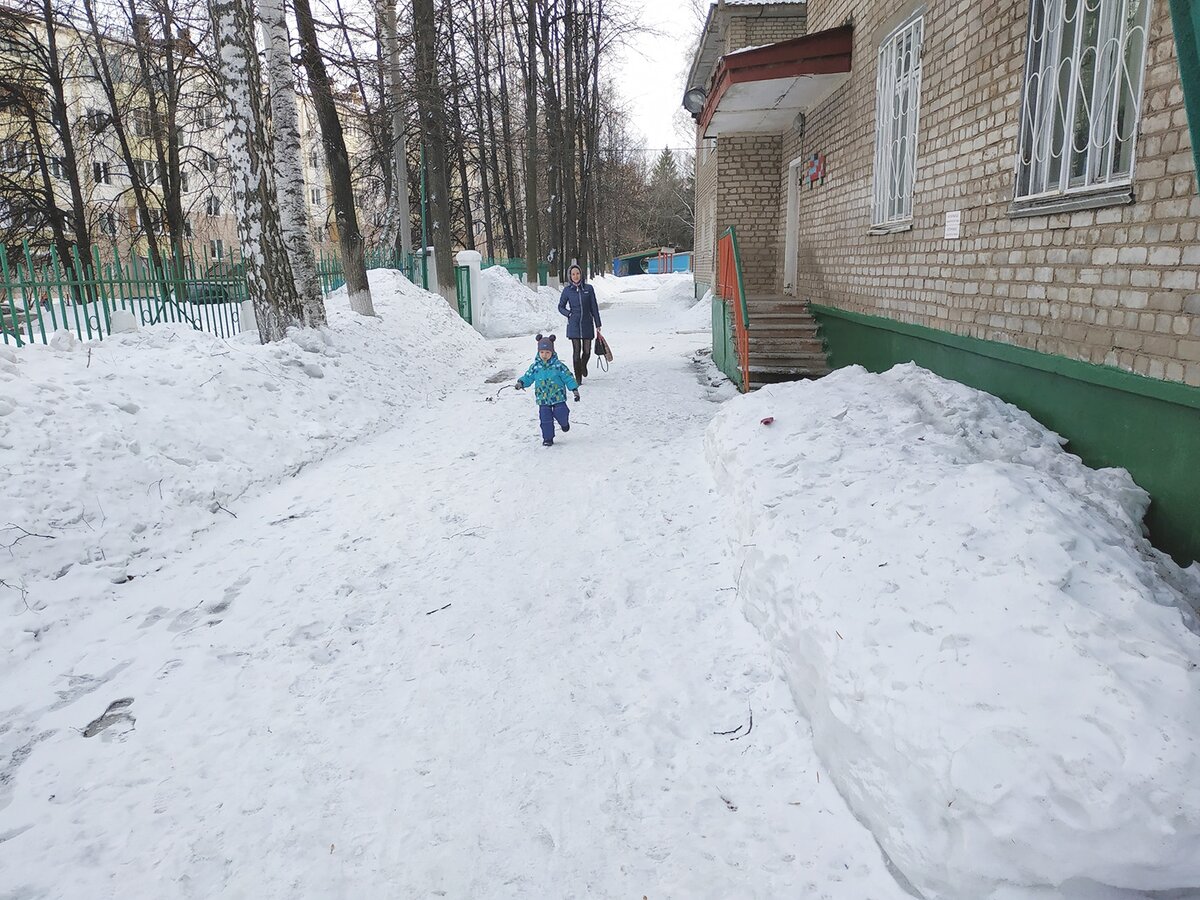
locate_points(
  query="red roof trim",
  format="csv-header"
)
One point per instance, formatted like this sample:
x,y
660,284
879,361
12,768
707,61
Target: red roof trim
x,y
823,53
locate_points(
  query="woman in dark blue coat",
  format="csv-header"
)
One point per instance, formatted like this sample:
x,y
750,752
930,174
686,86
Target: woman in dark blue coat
x,y
578,304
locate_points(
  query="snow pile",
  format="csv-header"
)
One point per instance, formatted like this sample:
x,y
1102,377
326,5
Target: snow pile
x,y
998,668
678,291
697,318
117,450
612,289
512,309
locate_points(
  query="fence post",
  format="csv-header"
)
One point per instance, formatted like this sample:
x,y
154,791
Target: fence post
x,y
8,296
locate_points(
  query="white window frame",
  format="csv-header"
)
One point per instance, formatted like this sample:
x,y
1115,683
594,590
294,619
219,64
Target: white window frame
x,y
216,250
791,228
212,206
108,224
897,121
147,170
316,196
101,172
14,156
141,122
1090,162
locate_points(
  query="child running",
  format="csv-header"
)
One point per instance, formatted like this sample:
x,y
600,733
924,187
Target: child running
x,y
551,380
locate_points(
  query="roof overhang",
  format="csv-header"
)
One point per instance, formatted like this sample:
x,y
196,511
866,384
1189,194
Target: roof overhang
x,y
716,25
763,89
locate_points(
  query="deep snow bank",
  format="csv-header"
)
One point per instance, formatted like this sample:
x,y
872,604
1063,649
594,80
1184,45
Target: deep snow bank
x,y
512,309
994,661
113,449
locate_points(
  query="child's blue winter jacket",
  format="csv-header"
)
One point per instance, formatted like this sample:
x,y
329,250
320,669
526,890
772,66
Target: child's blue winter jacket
x,y
551,381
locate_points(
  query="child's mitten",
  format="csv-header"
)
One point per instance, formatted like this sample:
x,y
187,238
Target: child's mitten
x,y
576,396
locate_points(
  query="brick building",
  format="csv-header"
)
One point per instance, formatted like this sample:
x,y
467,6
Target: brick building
x,y
1003,192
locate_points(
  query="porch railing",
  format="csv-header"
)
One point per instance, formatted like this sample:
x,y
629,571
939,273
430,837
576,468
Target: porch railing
x,y
731,290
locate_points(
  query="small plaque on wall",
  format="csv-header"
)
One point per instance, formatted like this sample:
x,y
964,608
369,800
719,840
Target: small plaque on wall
x,y
953,224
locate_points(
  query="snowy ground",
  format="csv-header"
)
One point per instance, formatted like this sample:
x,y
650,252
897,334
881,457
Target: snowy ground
x,y
445,661
413,653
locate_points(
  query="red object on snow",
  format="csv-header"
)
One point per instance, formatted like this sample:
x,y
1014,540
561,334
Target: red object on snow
x,y
768,420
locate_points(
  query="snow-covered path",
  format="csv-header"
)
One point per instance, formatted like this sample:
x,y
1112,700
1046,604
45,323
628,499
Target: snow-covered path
x,y
447,662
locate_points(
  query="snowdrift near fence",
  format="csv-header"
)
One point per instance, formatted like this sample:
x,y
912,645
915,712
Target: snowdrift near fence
x,y
642,288
512,309
998,668
113,450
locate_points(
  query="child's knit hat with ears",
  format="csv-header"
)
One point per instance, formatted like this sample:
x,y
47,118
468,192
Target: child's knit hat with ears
x,y
545,343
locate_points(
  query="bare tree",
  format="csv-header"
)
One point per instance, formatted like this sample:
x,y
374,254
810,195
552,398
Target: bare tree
x,y
400,204
532,236
337,161
289,162
269,281
431,104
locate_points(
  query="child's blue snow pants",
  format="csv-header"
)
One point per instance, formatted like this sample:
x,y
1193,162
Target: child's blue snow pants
x,y
551,412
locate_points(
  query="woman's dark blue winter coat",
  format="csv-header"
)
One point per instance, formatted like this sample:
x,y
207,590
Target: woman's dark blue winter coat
x,y
578,304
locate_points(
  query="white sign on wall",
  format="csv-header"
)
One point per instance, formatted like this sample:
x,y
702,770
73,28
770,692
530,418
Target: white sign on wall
x,y
953,224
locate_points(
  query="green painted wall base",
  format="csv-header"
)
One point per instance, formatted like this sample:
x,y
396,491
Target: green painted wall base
x,y
1110,417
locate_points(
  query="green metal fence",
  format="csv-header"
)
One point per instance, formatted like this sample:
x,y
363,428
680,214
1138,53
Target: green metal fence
x,y
517,267
42,294
413,265
462,281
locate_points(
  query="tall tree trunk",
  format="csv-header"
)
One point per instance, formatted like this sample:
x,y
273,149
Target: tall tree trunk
x,y
289,162
429,98
482,47
553,132
400,200
459,142
58,100
269,281
532,238
510,179
502,205
108,83
337,161
566,146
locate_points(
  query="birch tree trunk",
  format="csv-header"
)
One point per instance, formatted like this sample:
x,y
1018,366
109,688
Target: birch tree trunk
x,y
289,162
269,281
337,160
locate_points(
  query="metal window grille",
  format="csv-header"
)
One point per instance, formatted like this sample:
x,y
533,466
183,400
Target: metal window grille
x,y
1083,95
897,107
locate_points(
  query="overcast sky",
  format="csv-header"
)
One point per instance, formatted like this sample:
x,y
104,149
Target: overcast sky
x,y
652,69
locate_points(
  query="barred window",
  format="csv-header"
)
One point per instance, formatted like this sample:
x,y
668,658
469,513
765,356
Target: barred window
x,y
1083,95
897,105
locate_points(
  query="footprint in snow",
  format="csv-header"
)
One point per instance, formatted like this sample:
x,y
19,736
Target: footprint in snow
x,y
116,720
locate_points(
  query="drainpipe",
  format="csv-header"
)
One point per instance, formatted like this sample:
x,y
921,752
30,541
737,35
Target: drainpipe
x,y
1185,18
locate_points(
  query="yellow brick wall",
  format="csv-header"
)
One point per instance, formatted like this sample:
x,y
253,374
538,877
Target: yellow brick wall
x,y
1116,285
